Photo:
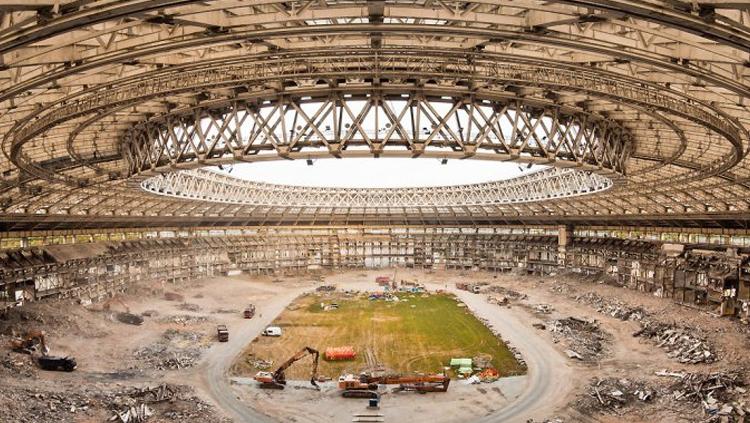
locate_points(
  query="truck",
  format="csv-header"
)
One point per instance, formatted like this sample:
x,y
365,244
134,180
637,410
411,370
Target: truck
x,y
475,288
222,333
249,312
271,331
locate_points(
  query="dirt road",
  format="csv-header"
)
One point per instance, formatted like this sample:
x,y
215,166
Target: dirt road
x,y
216,362
549,376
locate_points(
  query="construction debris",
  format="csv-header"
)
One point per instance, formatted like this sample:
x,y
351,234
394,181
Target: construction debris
x,y
177,350
585,340
184,319
68,402
173,296
133,414
508,293
612,307
717,393
612,393
543,308
189,307
130,319
326,288
686,345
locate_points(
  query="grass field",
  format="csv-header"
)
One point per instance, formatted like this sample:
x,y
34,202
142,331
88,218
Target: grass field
x,y
420,334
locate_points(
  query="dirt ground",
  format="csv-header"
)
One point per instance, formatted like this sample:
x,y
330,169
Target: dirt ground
x,y
176,345
419,333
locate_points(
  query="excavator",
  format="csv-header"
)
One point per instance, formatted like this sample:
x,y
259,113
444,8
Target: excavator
x,y
365,386
277,379
32,341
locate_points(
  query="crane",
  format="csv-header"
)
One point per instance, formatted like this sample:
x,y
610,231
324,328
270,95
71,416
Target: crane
x,y
277,379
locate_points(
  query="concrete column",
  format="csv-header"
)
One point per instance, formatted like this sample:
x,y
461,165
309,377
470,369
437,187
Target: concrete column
x,y
564,237
24,242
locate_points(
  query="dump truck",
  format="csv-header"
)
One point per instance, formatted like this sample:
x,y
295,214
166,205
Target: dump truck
x,y
249,312
277,379
222,333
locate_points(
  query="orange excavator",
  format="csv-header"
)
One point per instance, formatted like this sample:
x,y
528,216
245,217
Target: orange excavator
x,y
32,341
365,386
277,379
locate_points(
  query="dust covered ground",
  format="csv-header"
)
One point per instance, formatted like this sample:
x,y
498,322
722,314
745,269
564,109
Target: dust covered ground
x,y
683,366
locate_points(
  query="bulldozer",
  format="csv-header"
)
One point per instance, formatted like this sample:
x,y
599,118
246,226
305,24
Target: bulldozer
x,y
32,341
277,379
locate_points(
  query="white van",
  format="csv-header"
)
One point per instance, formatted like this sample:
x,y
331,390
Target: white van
x,y
271,331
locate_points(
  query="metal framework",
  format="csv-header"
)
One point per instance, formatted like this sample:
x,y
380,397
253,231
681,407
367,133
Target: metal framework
x,y
215,187
395,125
96,96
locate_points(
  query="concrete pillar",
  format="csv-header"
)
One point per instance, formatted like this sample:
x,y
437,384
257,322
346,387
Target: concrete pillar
x,y
564,237
24,242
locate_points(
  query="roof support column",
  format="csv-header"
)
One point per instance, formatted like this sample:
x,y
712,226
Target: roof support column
x,y
564,238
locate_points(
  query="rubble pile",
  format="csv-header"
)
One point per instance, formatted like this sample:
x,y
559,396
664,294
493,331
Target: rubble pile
x,y
189,307
176,350
612,307
542,308
611,394
508,293
325,288
18,365
562,288
69,402
717,393
183,319
585,340
686,345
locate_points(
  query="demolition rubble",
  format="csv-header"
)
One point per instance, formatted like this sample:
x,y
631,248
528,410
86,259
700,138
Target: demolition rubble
x,y
583,339
164,402
686,345
176,350
683,344
705,397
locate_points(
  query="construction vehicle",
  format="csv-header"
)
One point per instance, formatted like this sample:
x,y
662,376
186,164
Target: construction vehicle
x,y
107,305
357,387
277,379
271,331
365,386
222,333
249,311
66,364
32,341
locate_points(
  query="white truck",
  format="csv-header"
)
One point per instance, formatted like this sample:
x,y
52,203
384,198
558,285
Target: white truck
x,y
271,331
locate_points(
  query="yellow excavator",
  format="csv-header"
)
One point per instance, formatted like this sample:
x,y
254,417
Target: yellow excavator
x,y
277,379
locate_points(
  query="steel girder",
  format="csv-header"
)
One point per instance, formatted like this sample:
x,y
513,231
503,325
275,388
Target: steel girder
x,y
211,186
376,124
76,78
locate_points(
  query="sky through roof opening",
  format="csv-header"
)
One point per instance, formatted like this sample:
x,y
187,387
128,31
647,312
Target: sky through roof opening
x,y
377,173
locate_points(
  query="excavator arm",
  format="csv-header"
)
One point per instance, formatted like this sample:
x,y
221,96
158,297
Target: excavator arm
x,y
280,376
